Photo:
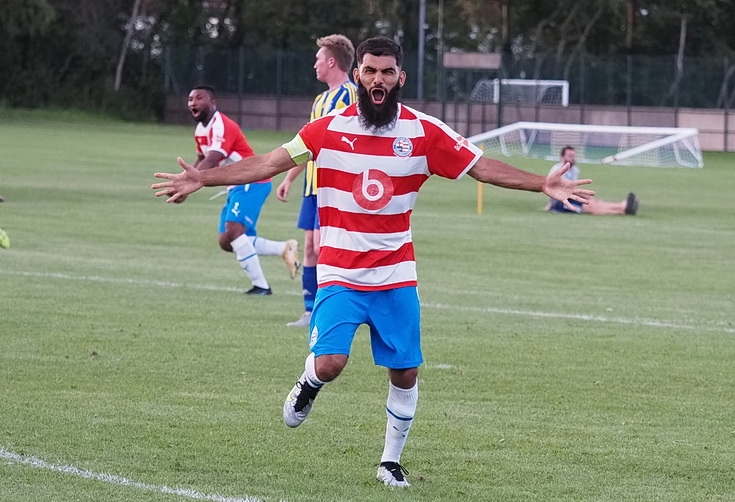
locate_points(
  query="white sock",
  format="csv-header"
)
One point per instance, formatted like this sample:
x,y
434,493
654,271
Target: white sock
x,y
310,372
267,247
249,262
400,410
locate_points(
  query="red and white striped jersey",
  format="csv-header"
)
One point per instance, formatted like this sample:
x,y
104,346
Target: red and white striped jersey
x,y
367,188
222,135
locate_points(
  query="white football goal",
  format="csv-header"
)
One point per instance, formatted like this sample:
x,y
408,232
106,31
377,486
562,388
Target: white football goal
x,y
521,91
622,145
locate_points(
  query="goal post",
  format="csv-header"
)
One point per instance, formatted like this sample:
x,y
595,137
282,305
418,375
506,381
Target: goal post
x,y
621,145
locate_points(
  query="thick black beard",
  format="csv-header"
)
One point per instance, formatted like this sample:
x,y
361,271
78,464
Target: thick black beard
x,y
377,119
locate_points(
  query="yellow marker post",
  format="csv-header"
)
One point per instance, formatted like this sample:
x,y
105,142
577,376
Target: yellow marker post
x,y
479,198
479,189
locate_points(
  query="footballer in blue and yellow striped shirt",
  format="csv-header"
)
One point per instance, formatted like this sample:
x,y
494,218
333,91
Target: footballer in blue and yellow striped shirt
x,y
328,101
333,63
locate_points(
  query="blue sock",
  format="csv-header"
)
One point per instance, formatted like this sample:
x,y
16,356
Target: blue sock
x,y
308,282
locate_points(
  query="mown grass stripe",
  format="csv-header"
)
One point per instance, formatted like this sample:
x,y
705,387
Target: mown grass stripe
x,y
654,323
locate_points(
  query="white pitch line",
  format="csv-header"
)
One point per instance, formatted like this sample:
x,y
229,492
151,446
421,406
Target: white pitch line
x,y
118,480
713,326
716,326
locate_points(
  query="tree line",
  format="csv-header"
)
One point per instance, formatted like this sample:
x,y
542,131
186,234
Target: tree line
x,y
108,54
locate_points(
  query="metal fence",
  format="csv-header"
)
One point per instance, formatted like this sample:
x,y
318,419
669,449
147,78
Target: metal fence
x,y
274,89
593,80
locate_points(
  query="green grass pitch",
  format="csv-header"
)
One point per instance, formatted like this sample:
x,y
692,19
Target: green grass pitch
x,y
568,358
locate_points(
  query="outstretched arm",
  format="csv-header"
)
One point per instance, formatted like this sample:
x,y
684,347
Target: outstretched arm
x,y
249,170
554,185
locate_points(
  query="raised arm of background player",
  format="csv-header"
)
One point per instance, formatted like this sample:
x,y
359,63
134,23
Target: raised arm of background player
x,y
208,161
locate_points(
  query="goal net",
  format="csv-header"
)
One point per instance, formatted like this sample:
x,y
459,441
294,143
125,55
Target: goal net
x,y
621,145
521,92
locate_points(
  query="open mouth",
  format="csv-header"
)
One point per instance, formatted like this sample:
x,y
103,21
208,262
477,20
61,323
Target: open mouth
x,y
378,95
194,112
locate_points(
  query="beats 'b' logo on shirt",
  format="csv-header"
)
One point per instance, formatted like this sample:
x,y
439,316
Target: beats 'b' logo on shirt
x,y
372,190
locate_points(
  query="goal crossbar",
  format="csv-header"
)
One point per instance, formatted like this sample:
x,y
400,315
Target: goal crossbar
x,y
513,85
677,146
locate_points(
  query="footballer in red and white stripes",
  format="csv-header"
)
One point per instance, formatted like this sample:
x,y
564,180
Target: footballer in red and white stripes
x,y
221,142
372,158
368,185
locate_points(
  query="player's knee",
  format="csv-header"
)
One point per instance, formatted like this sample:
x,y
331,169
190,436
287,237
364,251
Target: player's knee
x,y
329,366
404,378
310,247
225,242
310,257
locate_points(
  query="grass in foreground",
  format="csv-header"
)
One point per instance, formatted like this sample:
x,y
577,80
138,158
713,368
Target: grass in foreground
x,y
567,357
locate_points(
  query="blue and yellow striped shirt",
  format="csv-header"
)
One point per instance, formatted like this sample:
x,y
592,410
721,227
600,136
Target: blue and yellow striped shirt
x,y
341,97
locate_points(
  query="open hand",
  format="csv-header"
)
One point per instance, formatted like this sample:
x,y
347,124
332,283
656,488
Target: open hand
x,y
561,189
179,185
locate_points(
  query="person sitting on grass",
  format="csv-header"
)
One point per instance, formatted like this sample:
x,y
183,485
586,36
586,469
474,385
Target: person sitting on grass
x,y
568,155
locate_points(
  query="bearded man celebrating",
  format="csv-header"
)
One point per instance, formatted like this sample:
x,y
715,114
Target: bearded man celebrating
x,y
372,158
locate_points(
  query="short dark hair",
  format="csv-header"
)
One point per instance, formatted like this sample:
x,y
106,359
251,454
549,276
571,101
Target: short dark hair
x,y
564,150
207,88
380,46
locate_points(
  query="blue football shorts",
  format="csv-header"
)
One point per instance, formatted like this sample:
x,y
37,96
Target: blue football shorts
x,y
557,206
309,214
243,205
393,316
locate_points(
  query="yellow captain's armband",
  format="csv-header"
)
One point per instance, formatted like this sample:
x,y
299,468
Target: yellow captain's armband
x,y
296,148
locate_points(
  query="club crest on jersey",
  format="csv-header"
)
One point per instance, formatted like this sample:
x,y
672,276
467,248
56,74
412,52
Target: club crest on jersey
x,y
402,146
461,142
